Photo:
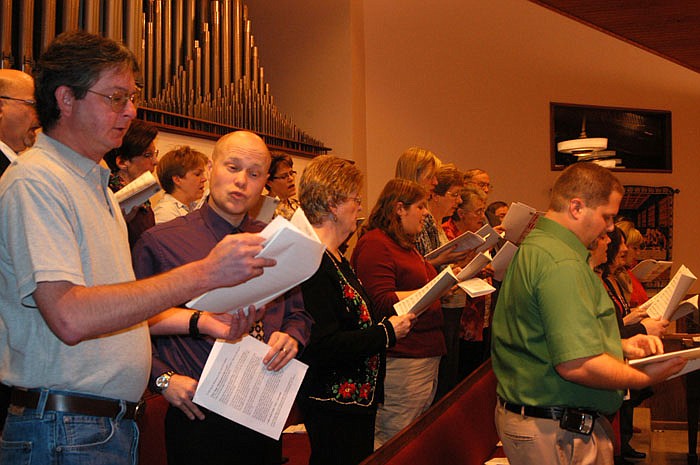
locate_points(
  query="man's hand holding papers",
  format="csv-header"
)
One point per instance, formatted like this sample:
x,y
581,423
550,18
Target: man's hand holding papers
x,y
297,255
236,385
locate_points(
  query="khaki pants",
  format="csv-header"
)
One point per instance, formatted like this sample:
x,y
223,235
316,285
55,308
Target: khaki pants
x,y
529,440
409,388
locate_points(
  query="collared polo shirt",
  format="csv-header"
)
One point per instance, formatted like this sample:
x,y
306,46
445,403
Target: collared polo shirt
x,y
552,309
60,222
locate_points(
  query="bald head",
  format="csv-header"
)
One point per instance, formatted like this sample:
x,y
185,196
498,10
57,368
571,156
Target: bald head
x,y
241,142
18,120
12,80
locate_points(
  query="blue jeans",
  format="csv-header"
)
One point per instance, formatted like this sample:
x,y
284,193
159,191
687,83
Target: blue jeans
x,y
39,436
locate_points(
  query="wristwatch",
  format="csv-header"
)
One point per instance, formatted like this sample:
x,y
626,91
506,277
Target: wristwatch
x,y
163,381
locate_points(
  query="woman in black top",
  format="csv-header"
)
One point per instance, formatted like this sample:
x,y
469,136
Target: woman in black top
x,y
346,353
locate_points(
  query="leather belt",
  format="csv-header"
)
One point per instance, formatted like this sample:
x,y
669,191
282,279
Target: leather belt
x,y
551,413
77,404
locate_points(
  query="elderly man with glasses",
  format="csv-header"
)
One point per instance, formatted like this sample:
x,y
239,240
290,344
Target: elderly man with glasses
x,y
18,121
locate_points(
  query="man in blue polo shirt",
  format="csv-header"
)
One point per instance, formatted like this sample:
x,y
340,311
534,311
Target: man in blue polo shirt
x,y
556,347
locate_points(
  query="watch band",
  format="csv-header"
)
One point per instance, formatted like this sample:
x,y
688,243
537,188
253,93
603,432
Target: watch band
x,y
194,325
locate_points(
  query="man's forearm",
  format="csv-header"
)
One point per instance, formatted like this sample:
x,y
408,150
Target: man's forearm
x,y
75,313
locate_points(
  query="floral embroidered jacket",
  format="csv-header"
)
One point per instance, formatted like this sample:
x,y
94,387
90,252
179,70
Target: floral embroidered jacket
x,y
346,352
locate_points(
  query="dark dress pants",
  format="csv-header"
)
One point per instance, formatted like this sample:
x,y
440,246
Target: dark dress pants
x,y
216,440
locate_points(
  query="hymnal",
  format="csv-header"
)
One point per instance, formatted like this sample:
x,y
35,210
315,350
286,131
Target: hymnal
x,y
137,191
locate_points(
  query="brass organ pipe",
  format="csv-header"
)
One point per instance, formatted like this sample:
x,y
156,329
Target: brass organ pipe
x,y
48,22
158,50
114,18
71,11
167,38
92,16
189,29
149,77
198,69
6,58
133,34
237,40
225,42
26,39
206,60
246,54
178,51
256,66
215,45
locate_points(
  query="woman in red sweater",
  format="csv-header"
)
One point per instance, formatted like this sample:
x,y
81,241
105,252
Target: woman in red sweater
x,y
390,267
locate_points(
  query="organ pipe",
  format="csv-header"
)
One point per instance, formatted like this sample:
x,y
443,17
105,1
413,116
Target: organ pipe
x,y
202,69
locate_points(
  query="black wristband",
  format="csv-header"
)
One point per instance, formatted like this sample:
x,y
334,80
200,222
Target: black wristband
x,y
194,328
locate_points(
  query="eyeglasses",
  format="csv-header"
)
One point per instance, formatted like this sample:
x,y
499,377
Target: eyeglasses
x,y
31,103
454,195
287,175
119,98
482,184
150,154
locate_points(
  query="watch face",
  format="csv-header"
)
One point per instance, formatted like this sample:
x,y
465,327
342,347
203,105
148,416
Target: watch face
x,y
162,381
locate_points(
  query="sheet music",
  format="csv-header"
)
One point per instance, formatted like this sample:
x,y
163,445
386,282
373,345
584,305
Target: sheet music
x,y
236,385
298,257
692,355
519,221
663,304
137,191
502,260
491,237
464,242
474,266
420,300
266,208
649,269
686,307
476,287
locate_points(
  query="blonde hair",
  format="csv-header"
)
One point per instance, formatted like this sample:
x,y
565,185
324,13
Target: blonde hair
x,y
417,162
634,237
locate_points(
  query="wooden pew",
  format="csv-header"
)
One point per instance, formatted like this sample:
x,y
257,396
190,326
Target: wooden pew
x,y
459,429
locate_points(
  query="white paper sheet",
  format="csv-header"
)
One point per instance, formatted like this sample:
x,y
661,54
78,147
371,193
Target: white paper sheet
x,y
476,287
491,238
649,269
137,191
236,385
298,257
663,304
265,209
461,243
474,266
692,355
519,221
420,300
502,260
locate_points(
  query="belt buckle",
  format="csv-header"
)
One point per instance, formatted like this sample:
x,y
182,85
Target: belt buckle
x,y
140,409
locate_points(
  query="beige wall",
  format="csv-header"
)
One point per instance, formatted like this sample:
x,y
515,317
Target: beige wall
x,y
475,86
472,81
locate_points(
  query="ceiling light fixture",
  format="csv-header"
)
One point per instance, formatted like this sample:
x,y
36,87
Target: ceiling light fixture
x,y
583,145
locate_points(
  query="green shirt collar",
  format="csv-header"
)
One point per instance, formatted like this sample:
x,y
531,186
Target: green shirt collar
x,y
565,235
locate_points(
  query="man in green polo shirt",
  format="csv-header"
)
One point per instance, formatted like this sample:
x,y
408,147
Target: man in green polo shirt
x,y
556,347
